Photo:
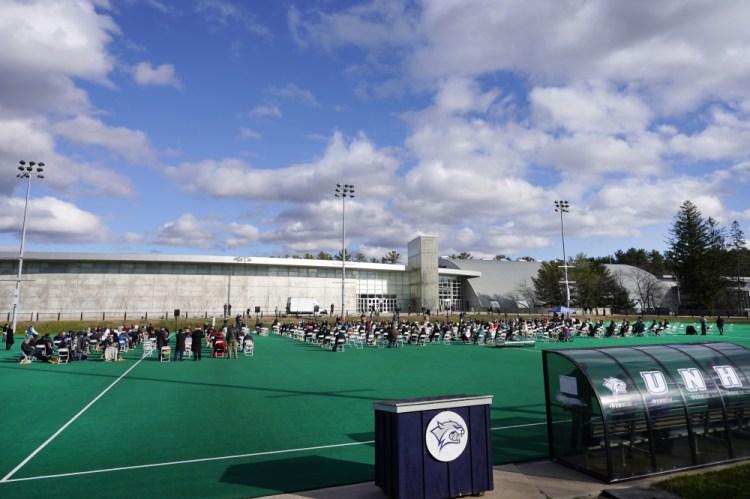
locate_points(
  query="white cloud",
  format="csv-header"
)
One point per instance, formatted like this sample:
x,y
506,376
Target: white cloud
x,y
357,159
292,91
51,220
133,145
56,36
30,140
146,74
375,24
266,110
463,95
223,13
131,237
185,231
671,51
46,45
589,108
241,235
727,136
247,133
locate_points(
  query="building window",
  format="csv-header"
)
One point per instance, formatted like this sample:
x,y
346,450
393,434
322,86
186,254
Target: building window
x,y
450,293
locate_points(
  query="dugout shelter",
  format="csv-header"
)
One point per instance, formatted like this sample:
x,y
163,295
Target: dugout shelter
x,y
619,413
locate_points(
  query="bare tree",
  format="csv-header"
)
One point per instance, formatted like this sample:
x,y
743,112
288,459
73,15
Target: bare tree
x,y
646,285
527,293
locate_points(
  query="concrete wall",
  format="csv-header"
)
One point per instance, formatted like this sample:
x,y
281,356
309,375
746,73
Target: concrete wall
x,y
157,294
423,261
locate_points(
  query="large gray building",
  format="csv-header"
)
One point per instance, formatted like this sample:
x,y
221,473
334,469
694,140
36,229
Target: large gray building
x,y
73,285
98,285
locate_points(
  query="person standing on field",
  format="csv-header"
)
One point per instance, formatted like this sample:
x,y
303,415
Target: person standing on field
x,y
9,339
233,342
197,346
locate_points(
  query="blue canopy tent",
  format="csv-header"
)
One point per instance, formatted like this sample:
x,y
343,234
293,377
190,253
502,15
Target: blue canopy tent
x,y
561,309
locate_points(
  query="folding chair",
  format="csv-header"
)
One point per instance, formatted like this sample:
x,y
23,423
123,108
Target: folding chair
x,y
148,348
352,340
447,338
188,347
165,354
340,342
248,348
63,355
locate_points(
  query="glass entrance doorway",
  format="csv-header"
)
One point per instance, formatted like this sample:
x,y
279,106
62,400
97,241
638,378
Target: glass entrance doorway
x,y
376,304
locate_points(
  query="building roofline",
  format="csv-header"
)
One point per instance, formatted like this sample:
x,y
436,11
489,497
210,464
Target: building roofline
x,y
210,259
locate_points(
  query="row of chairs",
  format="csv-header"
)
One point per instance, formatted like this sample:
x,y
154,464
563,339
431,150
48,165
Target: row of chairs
x,y
149,347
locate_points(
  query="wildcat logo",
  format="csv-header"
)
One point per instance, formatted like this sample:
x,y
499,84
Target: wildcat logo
x,y
446,436
616,386
448,432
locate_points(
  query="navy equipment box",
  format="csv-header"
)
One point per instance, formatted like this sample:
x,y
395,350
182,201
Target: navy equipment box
x,y
434,447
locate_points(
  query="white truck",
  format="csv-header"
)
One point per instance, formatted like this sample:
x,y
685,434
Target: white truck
x,y
303,306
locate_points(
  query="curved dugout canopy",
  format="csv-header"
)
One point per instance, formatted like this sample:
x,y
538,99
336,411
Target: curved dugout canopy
x,y
625,412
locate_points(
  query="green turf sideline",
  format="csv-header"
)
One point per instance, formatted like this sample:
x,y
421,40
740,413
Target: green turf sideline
x,y
63,427
290,395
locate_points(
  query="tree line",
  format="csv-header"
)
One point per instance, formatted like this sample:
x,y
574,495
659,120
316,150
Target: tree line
x,y
707,262
392,257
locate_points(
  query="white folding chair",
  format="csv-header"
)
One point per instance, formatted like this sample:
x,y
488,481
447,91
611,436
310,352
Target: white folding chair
x,y
63,355
165,354
248,348
149,346
340,342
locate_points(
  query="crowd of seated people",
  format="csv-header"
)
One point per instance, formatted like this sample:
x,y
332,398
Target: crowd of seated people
x,y
110,344
470,332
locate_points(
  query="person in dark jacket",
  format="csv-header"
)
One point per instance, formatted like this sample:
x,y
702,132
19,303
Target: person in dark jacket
x,y
720,325
196,346
179,347
9,339
162,338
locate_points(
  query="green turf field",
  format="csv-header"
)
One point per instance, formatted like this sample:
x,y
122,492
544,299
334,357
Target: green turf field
x,y
293,417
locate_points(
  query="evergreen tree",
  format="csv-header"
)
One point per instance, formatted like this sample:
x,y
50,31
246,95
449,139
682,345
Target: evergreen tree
x,y
547,284
737,245
347,255
694,245
391,257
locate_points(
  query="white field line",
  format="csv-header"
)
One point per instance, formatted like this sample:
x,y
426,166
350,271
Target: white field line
x,y
208,459
6,478
188,461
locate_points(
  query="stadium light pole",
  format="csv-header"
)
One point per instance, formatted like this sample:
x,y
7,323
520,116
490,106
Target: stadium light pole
x,y
27,172
343,191
563,207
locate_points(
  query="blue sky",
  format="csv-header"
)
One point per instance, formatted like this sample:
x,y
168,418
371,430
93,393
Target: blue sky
x,y
219,127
